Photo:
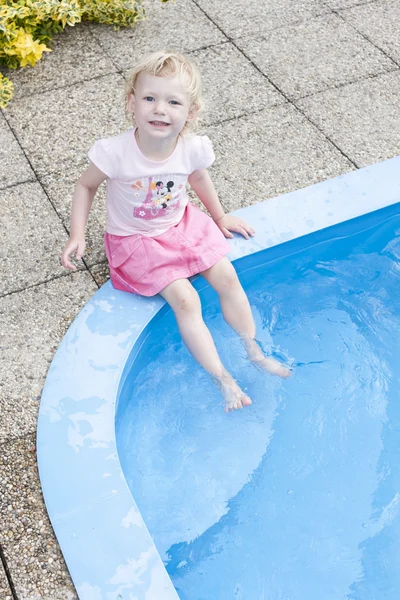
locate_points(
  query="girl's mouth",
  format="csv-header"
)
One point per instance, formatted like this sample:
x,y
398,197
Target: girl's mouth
x,y
159,123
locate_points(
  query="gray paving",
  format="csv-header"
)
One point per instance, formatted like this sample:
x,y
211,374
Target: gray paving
x,y
32,234
64,65
287,56
15,167
362,118
32,322
31,551
232,86
59,187
55,129
379,23
255,17
5,591
180,25
269,153
296,93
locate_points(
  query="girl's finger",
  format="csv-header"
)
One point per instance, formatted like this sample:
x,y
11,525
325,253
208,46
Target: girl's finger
x,y
241,230
67,264
247,227
227,233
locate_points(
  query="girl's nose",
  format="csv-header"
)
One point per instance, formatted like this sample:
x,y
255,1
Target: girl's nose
x,y
160,108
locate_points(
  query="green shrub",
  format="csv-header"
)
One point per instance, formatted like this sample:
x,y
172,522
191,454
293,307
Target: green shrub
x,y
27,27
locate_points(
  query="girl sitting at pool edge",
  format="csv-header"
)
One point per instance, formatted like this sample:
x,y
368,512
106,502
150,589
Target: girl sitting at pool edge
x,y
155,238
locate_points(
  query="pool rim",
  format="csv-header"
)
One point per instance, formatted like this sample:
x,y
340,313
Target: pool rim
x,y
85,441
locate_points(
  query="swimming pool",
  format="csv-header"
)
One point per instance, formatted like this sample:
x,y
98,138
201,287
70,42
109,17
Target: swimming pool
x,y
296,497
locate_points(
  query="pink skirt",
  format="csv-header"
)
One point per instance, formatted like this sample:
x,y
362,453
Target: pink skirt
x,y
146,265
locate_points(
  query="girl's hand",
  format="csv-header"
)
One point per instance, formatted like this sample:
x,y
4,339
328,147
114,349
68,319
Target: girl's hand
x,y
229,223
74,245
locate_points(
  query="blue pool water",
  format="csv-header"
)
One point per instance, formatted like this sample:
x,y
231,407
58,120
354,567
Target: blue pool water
x,y
298,496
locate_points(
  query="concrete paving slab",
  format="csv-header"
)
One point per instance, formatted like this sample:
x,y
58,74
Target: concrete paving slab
x,y
232,85
180,26
288,56
338,4
237,18
32,237
76,56
57,132
30,547
380,22
60,187
100,272
272,152
32,324
363,118
5,591
14,167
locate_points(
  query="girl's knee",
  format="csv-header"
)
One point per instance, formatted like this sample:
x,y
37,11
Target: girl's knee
x,y
228,280
186,301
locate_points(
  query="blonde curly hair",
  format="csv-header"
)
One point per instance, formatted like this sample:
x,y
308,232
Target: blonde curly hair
x,y
166,64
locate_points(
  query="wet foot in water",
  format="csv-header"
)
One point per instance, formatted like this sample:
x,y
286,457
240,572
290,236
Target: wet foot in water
x,y
267,363
234,397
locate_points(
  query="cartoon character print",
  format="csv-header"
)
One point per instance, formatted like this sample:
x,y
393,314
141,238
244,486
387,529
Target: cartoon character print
x,y
160,198
164,192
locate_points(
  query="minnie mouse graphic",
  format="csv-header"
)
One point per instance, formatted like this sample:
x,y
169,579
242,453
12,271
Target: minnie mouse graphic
x,y
165,193
158,197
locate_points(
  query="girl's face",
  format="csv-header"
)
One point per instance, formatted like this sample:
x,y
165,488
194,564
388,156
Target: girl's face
x,y
161,106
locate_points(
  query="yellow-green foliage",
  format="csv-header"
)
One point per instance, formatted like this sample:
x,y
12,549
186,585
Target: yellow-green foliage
x,y
6,91
27,27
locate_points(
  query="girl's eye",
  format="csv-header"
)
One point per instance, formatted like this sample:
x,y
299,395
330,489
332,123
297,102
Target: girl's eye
x,y
175,102
149,98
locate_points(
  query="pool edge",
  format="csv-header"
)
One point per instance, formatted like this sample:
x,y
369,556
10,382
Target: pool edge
x,y
76,418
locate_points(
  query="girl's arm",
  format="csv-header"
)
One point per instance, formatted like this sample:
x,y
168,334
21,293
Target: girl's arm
x,y
82,199
200,182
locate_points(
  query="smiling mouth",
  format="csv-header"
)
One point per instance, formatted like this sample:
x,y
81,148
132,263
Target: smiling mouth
x,y
159,123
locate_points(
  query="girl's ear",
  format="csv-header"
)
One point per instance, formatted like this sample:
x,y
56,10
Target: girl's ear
x,y
131,103
194,109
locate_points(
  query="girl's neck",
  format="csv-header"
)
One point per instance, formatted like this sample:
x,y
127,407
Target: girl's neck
x,y
156,150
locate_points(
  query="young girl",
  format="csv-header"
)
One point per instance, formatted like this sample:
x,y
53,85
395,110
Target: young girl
x,y
155,238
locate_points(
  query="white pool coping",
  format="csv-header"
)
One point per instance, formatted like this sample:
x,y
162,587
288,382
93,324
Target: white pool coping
x,y
107,547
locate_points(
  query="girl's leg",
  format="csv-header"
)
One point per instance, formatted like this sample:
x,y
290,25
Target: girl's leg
x,y
185,302
237,313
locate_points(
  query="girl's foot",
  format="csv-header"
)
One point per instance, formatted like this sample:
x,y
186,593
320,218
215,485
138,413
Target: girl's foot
x,y
234,397
267,363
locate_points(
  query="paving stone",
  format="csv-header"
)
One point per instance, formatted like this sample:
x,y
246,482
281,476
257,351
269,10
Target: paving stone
x,y
32,237
270,153
76,56
30,547
5,592
101,273
180,26
237,18
287,56
380,22
14,167
32,324
338,4
57,132
232,85
60,188
363,118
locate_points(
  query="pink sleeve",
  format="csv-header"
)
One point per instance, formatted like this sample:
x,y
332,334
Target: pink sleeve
x,y
203,153
102,157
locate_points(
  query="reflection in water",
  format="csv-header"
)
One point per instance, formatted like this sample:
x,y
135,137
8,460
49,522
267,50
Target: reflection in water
x,y
297,497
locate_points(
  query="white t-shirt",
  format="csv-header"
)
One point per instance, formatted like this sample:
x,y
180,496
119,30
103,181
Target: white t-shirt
x,y
145,196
